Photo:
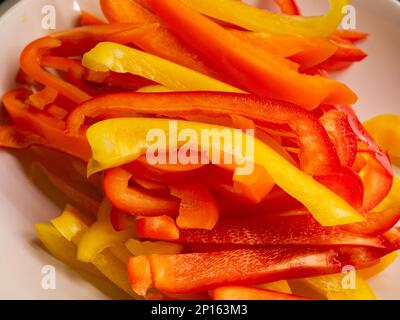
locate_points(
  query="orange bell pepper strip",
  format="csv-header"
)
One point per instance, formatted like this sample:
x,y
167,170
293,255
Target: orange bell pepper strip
x,y
43,98
88,19
252,70
57,112
51,130
198,209
139,275
351,35
246,293
30,64
134,200
14,137
126,11
161,228
346,50
183,104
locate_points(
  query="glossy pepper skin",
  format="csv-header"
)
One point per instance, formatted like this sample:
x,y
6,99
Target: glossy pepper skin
x,y
332,211
246,65
248,266
312,136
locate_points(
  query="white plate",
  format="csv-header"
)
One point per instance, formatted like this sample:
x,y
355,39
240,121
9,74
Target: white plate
x,y
376,80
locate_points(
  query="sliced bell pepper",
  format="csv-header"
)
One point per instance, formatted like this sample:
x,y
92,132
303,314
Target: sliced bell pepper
x,y
337,125
50,129
288,7
346,50
246,293
384,263
385,130
16,138
57,112
126,11
393,198
109,56
154,88
313,138
280,286
161,228
198,209
120,220
347,184
62,249
139,273
43,98
351,35
252,70
271,230
88,19
119,132
199,272
100,236
255,19
134,200
376,223
147,248
331,287
30,64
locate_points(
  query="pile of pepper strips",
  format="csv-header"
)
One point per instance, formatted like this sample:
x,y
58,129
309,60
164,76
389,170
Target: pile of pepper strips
x,y
321,196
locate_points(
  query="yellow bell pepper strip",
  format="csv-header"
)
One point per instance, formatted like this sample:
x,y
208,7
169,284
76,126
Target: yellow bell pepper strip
x,y
109,56
111,267
246,293
260,74
280,286
112,145
383,264
120,252
393,198
147,248
385,130
100,236
331,287
62,249
255,19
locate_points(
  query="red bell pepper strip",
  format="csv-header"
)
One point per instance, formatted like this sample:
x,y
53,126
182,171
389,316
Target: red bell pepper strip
x,y
288,7
376,223
199,272
51,130
270,230
134,200
198,209
337,125
346,51
347,184
43,98
120,220
30,64
247,66
161,228
312,136
246,293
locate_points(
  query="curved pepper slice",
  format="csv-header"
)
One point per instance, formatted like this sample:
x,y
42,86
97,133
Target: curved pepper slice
x,y
157,228
252,70
51,130
30,64
312,136
288,7
198,209
393,197
112,145
246,293
109,56
134,200
255,19
199,272
269,230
